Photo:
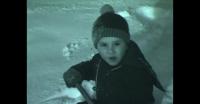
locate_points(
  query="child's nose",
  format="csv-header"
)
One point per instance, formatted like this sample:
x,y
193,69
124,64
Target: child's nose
x,y
111,49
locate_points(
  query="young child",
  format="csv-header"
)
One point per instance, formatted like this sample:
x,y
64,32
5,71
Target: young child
x,y
122,74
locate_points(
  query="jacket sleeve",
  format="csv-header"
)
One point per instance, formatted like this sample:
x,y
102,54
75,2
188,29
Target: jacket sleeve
x,y
86,68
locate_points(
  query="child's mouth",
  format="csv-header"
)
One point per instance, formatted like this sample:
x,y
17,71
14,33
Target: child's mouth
x,y
113,58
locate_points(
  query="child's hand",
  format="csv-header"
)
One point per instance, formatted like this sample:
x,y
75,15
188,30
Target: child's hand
x,y
72,77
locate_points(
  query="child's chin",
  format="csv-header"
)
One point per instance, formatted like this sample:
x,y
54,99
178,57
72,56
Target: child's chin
x,y
113,63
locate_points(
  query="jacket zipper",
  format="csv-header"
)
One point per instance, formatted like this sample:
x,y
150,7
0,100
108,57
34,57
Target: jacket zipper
x,y
97,76
97,73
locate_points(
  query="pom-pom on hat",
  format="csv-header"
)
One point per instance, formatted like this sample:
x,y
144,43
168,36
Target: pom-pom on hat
x,y
106,8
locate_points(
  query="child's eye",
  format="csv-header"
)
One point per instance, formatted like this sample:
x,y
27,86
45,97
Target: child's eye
x,y
117,44
103,44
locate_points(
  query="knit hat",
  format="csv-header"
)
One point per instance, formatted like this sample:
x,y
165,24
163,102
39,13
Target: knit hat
x,y
109,24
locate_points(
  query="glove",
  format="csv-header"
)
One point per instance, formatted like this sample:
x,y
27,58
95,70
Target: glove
x,y
72,77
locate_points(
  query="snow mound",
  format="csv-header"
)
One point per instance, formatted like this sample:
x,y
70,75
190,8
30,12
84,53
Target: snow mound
x,y
72,95
124,14
75,46
70,48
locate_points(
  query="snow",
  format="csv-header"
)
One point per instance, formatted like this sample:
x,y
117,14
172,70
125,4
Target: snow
x,y
146,11
168,97
73,95
124,14
59,36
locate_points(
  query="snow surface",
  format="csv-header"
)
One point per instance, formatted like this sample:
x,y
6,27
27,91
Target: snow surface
x,y
72,95
59,36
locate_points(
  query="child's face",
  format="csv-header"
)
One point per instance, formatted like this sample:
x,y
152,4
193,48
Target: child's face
x,y
111,49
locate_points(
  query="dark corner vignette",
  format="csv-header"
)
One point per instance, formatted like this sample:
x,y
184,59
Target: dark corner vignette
x,y
14,45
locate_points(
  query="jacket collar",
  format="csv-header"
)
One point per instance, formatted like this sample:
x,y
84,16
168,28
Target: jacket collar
x,y
133,55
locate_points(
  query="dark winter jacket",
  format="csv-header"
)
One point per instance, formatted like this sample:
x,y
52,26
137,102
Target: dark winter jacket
x,y
130,82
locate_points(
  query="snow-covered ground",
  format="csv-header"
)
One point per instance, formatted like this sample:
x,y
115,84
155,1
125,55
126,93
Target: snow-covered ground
x,y
59,35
